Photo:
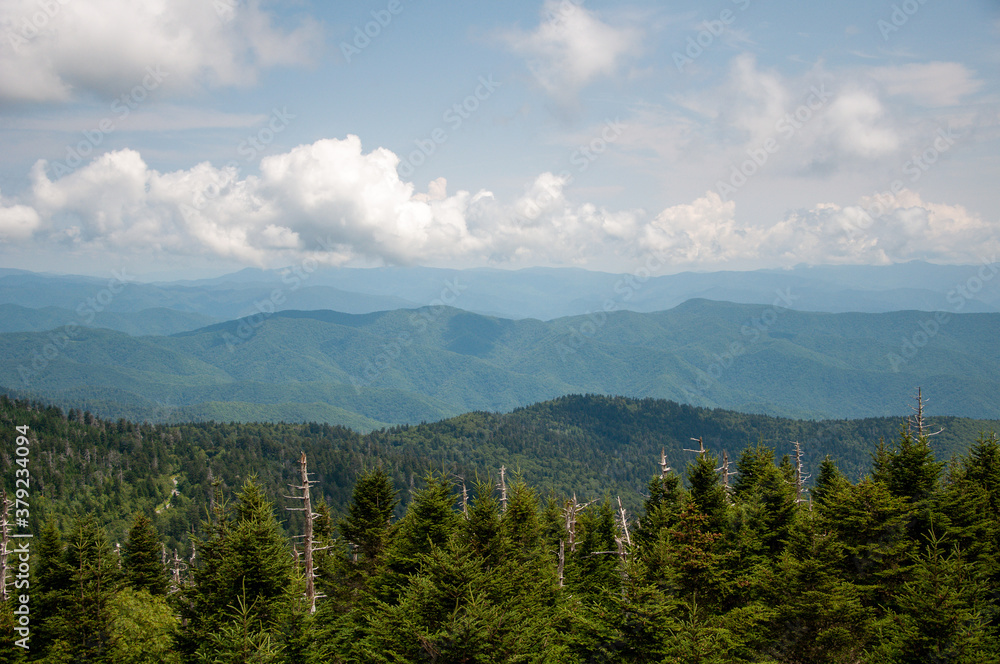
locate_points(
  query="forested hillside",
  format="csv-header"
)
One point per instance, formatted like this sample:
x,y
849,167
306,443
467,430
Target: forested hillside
x,y
590,445
741,562
407,366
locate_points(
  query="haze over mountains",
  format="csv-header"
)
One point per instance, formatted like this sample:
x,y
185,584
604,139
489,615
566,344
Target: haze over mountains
x,y
155,351
542,293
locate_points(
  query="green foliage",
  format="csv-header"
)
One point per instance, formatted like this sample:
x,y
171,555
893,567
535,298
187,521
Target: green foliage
x,y
366,525
141,558
143,628
246,562
707,491
751,577
940,615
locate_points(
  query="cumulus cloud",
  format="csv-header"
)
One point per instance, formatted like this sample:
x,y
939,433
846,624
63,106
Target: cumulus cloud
x,y
107,46
335,202
571,47
17,222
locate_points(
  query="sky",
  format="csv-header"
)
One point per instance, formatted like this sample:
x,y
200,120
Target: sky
x,y
180,138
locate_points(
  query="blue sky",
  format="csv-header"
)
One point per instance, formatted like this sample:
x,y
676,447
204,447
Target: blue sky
x,y
193,137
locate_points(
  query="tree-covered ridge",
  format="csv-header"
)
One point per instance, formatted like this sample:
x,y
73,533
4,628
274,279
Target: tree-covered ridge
x,y
411,365
584,444
740,566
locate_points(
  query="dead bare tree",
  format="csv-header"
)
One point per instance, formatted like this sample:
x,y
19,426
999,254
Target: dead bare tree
x,y
701,446
308,547
724,470
626,539
5,506
465,497
800,475
175,572
664,468
916,421
503,488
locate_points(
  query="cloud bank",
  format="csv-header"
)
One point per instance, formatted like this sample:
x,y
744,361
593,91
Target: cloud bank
x,y
339,204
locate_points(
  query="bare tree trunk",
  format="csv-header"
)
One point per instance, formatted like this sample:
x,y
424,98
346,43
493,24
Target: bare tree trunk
x,y
4,545
800,476
664,468
503,488
308,535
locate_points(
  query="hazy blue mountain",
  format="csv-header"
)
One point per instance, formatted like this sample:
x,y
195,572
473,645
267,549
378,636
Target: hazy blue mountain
x,y
542,293
156,321
412,365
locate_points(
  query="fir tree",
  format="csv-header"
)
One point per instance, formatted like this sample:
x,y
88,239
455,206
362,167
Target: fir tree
x,y
368,521
706,490
141,563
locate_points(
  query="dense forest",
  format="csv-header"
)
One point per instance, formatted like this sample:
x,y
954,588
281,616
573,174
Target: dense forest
x,y
741,559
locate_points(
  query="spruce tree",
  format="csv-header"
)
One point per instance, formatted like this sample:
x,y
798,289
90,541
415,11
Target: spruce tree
x,y
829,482
368,521
141,563
85,616
430,521
706,490
660,509
246,568
940,614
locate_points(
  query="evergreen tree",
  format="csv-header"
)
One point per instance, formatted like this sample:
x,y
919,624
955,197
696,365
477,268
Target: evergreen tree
x,y
368,521
519,523
871,524
143,628
246,568
141,560
940,613
907,468
707,491
85,617
820,617
430,521
52,583
829,482
660,509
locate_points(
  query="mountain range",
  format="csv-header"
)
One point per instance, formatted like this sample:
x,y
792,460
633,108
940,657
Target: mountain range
x,y
406,366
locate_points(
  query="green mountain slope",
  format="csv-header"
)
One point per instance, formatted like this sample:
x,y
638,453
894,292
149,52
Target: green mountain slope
x,y
413,365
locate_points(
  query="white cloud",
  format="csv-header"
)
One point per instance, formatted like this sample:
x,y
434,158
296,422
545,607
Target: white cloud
x,y
107,46
856,125
928,84
334,202
17,222
571,47
706,233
